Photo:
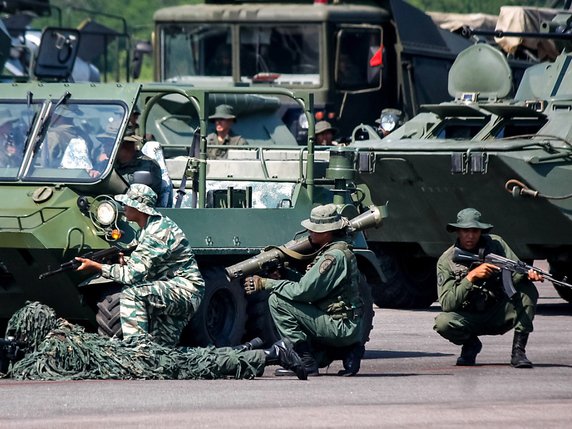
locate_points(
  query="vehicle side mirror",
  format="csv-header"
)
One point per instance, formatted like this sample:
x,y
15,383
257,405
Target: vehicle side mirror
x,y
141,48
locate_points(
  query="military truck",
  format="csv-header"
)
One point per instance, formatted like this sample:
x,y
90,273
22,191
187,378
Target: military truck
x,y
507,156
58,194
357,57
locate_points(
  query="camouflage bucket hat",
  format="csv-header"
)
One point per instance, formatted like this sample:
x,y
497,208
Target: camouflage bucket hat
x,y
140,197
324,126
467,219
223,111
324,218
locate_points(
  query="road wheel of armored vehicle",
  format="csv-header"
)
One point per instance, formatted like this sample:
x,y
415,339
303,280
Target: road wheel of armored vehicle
x,y
368,311
260,323
221,317
411,282
107,316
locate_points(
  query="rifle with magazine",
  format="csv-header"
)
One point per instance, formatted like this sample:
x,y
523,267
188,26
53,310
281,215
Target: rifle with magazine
x,y
109,255
507,267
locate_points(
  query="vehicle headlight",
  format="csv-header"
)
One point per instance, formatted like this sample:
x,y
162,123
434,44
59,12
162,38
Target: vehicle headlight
x,y
388,122
106,213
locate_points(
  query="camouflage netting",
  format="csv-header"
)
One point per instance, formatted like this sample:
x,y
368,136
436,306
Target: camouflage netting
x,y
59,350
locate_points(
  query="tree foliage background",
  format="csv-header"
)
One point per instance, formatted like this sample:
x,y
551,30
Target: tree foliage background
x,y
473,6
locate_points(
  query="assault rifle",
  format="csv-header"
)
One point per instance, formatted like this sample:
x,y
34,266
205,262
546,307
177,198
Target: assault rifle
x,y
273,256
108,255
11,350
507,267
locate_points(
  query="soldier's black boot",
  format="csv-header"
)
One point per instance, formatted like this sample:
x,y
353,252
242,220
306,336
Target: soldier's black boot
x,y
254,344
518,357
471,348
352,360
310,364
282,353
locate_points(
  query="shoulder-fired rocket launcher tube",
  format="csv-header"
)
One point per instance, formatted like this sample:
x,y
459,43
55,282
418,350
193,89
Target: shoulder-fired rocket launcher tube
x,y
273,256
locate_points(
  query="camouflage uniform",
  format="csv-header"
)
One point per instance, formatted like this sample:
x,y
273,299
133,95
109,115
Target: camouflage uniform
x,y
163,286
482,309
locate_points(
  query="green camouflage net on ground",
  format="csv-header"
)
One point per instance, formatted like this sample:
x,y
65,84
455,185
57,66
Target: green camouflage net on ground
x,y
59,350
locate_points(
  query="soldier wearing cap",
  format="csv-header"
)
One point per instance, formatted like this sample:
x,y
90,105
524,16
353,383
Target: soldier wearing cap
x,y
320,312
130,159
223,119
325,134
472,297
162,284
10,145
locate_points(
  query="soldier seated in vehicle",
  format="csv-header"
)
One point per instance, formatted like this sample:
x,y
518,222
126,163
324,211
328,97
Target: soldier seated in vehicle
x,y
130,159
321,312
223,119
472,297
11,144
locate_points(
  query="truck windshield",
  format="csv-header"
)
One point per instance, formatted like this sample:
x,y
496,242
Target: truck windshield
x,y
280,54
196,50
15,125
285,54
77,144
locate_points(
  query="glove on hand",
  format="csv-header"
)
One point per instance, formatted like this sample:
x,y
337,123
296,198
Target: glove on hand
x,y
253,284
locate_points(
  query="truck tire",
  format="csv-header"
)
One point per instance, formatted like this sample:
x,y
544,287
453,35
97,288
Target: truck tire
x,y
260,323
411,282
221,317
107,315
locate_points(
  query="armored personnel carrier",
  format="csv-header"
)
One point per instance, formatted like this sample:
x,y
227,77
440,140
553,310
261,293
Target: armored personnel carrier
x,y
509,156
57,188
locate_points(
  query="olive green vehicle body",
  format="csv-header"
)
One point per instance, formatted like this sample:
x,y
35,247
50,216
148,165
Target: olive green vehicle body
x,y
232,209
480,151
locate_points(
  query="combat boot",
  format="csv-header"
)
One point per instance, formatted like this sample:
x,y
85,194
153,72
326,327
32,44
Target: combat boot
x,y
518,357
253,344
471,348
352,360
310,364
282,353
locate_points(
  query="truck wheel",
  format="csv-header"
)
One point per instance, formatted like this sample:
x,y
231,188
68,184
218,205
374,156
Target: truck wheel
x,y
411,282
221,317
107,315
260,323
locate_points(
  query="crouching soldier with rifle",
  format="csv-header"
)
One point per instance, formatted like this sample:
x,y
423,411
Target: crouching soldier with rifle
x,y
321,311
474,299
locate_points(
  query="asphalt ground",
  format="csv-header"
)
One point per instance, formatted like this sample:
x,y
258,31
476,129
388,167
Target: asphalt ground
x,y
408,379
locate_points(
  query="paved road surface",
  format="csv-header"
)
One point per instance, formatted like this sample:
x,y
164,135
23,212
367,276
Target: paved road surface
x,y
408,379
